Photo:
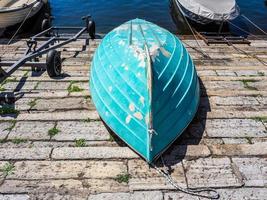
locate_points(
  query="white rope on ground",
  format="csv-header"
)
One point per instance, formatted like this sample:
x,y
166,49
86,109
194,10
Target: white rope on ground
x,y
191,191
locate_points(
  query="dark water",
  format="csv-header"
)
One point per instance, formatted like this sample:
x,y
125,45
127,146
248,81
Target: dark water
x,y
109,14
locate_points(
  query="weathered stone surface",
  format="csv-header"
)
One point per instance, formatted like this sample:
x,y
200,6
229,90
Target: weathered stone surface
x,y
63,115
93,152
23,85
155,183
233,128
225,194
61,104
76,172
187,151
2,171
253,170
211,172
14,197
31,130
72,130
4,129
180,195
140,169
235,140
110,196
146,195
22,104
243,194
12,144
70,186
232,85
225,73
56,85
206,73
25,153
58,196
234,101
258,149
67,169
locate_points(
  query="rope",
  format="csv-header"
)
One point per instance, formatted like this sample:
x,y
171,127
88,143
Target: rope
x,y
241,29
244,52
192,191
254,24
192,31
21,24
5,49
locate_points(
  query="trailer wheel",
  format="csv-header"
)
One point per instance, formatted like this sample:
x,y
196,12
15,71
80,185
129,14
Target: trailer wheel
x,y
91,29
53,63
45,24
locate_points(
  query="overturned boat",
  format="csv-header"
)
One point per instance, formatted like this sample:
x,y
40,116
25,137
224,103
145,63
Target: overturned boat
x,y
15,11
144,86
207,11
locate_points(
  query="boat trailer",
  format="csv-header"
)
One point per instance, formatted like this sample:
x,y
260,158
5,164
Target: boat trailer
x,y
51,41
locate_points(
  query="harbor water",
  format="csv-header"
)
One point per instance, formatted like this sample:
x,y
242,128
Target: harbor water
x,y
109,14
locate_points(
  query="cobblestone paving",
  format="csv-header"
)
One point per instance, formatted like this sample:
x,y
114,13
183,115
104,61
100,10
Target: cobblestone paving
x,y
54,146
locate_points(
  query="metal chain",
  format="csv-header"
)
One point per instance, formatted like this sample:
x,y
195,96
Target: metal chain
x,y
192,191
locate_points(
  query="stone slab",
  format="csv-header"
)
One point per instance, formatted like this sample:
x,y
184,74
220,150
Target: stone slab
x,y
25,153
67,169
234,128
15,197
69,186
145,195
61,104
253,170
71,130
211,172
31,130
78,153
257,149
4,129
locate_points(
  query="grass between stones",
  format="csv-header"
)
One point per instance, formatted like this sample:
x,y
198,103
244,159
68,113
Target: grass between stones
x,y
13,124
7,169
74,88
123,178
18,140
32,103
261,74
7,110
80,143
247,86
53,131
260,119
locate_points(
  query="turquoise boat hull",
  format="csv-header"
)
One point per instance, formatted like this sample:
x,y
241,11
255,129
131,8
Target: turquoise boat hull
x,y
144,86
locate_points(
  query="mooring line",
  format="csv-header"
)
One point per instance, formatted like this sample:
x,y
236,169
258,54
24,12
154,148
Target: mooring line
x,y
191,191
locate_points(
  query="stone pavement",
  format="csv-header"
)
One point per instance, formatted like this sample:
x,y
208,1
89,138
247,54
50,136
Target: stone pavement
x,y
54,146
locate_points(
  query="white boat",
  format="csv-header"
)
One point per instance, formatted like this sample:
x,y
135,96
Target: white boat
x,y
15,11
207,11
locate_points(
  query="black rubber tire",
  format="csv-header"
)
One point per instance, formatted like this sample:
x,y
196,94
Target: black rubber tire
x,y
45,24
91,29
53,63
